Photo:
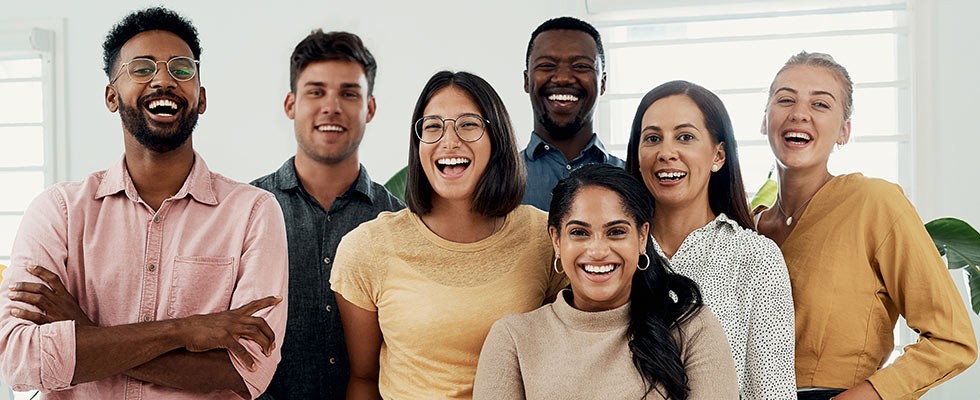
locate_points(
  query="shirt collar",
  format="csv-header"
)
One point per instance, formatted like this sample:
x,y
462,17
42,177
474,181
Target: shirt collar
x,y
288,180
536,147
197,184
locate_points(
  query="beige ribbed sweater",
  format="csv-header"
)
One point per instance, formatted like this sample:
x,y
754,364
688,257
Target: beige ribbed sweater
x,y
559,352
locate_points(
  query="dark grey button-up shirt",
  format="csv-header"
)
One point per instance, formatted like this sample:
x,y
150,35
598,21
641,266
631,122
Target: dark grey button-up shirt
x,y
546,165
314,357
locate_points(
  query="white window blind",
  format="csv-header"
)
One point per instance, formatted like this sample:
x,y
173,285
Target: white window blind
x,y
27,150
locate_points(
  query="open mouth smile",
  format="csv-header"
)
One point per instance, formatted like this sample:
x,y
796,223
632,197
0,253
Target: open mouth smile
x,y
330,128
670,175
163,107
795,137
453,166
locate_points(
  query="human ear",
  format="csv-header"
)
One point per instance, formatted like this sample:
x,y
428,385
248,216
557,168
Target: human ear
x,y
111,98
288,105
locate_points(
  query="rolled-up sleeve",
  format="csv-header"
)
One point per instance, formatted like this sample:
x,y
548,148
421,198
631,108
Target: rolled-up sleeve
x,y
264,272
36,357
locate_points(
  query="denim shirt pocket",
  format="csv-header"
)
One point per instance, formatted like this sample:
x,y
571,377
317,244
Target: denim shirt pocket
x,y
201,285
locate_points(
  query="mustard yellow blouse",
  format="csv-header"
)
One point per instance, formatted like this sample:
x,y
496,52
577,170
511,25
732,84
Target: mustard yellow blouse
x,y
858,258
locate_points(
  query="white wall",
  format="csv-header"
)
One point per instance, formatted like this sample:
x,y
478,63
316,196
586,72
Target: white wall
x,y
245,68
948,173
244,133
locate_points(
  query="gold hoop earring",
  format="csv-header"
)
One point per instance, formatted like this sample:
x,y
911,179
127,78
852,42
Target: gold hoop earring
x,y
558,271
645,266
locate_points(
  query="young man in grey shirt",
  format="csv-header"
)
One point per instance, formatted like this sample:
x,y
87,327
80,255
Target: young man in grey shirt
x,y
324,193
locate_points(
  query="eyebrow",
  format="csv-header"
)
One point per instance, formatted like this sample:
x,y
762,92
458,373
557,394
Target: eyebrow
x,y
345,85
556,58
814,92
606,225
679,126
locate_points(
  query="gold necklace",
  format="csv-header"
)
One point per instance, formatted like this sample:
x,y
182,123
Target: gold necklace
x,y
779,202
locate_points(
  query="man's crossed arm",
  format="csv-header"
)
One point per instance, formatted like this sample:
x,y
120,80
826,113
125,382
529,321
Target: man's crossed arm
x,y
186,353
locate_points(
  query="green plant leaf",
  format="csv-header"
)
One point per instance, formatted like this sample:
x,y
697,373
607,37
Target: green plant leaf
x,y
973,281
396,184
957,240
766,196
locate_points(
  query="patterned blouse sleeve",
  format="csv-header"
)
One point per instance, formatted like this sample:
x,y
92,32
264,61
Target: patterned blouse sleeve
x,y
769,352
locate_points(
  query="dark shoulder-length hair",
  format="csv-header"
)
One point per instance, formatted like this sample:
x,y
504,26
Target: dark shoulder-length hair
x,y
501,188
726,192
656,340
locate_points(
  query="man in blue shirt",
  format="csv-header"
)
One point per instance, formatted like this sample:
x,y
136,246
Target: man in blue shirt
x,y
324,193
564,77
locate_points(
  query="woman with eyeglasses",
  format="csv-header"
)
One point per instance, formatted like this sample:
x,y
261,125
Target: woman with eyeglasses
x,y
682,147
857,252
628,328
419,289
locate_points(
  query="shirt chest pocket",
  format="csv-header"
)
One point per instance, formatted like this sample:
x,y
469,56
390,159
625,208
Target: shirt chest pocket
x,y
201,285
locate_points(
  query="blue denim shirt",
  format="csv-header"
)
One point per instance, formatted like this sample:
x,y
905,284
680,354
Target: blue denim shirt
x,y
314,356
546,165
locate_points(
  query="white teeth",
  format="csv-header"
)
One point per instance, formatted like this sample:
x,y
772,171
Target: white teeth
x,y
330,128
598,269
798,135
563,97
162,103
671,175
452,161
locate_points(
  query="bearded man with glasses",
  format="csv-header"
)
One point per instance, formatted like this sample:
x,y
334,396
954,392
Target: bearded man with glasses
x,y
155,278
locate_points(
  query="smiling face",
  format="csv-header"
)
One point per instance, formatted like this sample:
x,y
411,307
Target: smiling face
x,y
330,110
805,117
159,114
564,78
677,153
599,246
452,166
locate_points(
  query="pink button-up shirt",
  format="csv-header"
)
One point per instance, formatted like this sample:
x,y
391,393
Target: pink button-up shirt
x,y
215,245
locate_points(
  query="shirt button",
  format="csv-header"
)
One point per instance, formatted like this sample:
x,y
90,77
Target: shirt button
x,y
568,167
328,218
152,267
326,260
328,308
332,360
146,318
156,219
546,147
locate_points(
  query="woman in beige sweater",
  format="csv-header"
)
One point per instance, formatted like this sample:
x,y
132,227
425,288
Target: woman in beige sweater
x,y
628,328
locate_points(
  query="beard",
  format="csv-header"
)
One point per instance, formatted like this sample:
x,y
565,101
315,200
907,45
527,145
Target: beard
x,y
561,132
161,140
555,130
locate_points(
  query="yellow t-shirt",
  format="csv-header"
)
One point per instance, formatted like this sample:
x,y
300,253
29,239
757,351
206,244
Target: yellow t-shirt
x,y
858,258
437,299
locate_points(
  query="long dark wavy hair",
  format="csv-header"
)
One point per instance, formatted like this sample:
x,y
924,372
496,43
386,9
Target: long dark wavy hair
x,y
655,316
726,192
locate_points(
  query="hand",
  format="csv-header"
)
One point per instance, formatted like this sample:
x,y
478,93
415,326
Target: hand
x,y
51,297
222,330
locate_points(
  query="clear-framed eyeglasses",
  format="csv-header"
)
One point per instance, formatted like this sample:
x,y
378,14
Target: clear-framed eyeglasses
x,y
469,127
142,70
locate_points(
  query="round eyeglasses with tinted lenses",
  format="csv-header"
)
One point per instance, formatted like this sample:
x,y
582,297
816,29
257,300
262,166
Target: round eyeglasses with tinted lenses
x,y
469,127
142,70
